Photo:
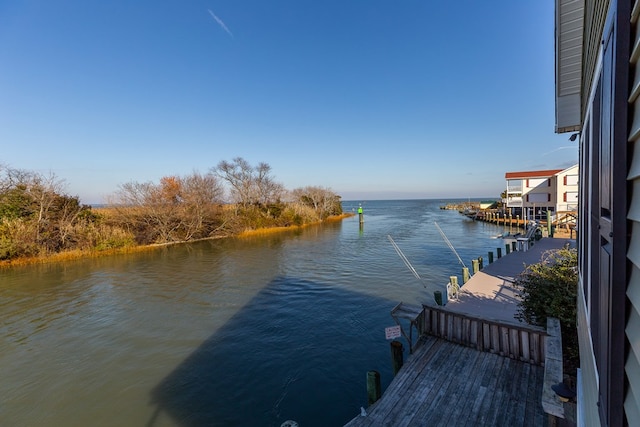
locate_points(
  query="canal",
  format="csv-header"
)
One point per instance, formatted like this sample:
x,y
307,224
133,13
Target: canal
x,y
231,332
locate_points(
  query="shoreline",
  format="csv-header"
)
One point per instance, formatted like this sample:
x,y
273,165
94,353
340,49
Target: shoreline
x,y
74,255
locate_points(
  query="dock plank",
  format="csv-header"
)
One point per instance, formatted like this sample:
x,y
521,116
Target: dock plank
x,y
444,383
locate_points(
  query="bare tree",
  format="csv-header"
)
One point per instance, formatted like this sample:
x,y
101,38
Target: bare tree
x,y
176,209
323,200
267,189
36,192
239,175
38,201
139,208
250,185
201,196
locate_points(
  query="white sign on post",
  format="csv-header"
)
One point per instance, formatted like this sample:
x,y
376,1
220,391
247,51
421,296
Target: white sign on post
x,y
392,332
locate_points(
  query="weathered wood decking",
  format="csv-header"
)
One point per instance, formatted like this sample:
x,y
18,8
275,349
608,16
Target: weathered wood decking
x,y
447,384
478,365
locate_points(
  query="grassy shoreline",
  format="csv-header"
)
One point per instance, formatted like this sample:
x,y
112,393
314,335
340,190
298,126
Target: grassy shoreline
x,y
79,254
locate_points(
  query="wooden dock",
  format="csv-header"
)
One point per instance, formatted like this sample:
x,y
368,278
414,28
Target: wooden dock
x,y
489,294
475,365
447,384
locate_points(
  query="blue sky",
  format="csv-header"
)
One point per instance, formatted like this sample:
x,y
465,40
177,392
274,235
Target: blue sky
x,y
374,99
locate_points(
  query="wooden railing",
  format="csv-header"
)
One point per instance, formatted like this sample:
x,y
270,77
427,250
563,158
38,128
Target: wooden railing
x,y
522,342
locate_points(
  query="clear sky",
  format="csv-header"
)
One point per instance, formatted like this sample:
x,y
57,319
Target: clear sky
x,y
374,99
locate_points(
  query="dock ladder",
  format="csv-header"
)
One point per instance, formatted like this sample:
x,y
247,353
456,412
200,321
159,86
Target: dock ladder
x,y
411,313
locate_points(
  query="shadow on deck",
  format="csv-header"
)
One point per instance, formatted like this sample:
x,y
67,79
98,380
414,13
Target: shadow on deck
x,y
444,383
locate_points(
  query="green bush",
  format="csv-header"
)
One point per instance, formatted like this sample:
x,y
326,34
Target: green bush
x,y
549,289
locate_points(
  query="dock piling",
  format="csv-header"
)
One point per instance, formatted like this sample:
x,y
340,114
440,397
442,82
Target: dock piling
x,y
397,359
374,390
499,250
437,295
465,275
475,266
490,257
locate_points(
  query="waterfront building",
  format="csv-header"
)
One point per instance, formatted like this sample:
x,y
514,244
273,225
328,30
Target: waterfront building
x,y
530,194
597,99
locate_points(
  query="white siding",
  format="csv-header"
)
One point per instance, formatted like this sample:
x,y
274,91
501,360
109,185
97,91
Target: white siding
x,y
538,197
537,182
572,179
589,405
632,329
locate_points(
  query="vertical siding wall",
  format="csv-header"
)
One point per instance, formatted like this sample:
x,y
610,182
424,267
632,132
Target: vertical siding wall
x,y
632,330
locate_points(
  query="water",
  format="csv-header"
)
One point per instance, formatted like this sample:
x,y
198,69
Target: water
x,y
232,332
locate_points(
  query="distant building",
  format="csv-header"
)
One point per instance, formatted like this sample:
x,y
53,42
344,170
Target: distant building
x,y
530,194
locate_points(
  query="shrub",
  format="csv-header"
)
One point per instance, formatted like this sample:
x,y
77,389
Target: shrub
x,y
549,289
17,238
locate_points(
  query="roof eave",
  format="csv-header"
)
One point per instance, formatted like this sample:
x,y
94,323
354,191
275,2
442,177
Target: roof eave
x,y
568,47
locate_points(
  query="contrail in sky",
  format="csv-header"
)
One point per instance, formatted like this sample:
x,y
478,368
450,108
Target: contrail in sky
x,y
560,148
219,21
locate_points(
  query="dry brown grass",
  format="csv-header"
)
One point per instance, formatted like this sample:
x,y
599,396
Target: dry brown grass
x,y
73,255
80,254
272,230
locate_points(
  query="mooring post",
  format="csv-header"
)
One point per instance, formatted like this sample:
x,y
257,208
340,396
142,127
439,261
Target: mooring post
x,y
374,391
437,295
507,248
454,284
490,257
465,275
513,246
480,263
397,359
360,215
499,250
475,266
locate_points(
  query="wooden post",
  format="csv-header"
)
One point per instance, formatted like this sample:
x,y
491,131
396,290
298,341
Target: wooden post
x,y
517,221
475,266
374,390
454,281
437,295
490,257
480,263
513,246
508,248
397,359
465,275
549,225
499,250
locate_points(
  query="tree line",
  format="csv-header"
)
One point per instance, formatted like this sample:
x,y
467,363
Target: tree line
x,y
37,217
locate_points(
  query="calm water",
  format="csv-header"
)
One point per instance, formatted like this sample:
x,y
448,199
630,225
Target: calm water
x,y
248,332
